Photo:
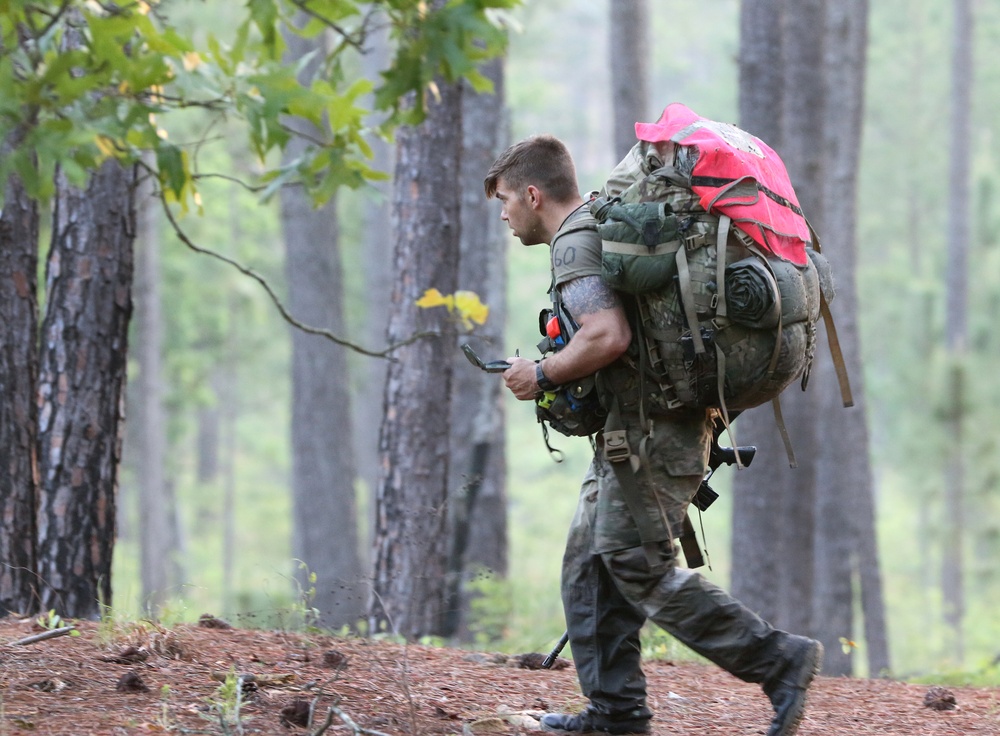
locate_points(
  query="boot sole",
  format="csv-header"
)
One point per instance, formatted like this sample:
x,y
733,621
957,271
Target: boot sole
x,y
798,708
621,730
549,729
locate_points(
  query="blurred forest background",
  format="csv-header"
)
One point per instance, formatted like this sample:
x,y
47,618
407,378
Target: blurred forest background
x,y
225,375
227,350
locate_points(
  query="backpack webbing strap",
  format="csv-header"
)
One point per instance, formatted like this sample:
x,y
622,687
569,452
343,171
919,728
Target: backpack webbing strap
x,y
836,353
689,544
783,431
652,530
831,335
721,238
687,301
720,318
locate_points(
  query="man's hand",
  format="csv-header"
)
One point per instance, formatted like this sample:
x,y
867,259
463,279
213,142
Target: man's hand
x,y
520,378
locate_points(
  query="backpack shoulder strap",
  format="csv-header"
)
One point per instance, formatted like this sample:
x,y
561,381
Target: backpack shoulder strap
x,y
832,339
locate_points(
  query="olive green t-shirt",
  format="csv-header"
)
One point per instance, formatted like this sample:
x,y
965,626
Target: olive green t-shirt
x,y
576,248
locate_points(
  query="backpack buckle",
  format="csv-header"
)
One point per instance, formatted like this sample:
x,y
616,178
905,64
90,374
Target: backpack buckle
x,y
616,447
696,241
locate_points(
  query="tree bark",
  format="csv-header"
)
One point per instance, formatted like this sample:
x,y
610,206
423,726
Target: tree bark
x,y
628,49
821,523
773,507
478,474
19,224
845,543
756,493
956,319
369,377
411,545
158,551
81,383
760,95
801,121
325,536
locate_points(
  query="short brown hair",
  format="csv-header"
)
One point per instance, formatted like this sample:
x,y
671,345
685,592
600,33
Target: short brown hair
x,y
541,160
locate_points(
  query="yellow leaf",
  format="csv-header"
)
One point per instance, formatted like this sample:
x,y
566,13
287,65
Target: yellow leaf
x,y
847,645
434,298
470,308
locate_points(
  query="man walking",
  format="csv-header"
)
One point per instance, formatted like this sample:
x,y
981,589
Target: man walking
x,y
613,577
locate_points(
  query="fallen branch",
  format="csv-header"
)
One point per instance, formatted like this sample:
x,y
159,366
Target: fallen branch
x,y
348,721
50,634
265,680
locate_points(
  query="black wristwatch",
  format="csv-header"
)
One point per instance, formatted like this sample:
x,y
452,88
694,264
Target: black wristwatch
x,y
543,383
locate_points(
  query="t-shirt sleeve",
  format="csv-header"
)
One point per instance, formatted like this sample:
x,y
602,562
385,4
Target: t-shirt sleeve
x,y
576,254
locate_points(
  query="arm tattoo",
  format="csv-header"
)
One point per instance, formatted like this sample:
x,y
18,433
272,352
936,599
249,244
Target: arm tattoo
x,y
588,294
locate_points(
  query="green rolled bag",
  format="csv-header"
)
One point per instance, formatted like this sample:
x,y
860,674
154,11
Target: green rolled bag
x,y
640,242
763,293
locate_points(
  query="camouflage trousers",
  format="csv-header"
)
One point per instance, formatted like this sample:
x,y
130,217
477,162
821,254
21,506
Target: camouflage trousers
x,y
609,588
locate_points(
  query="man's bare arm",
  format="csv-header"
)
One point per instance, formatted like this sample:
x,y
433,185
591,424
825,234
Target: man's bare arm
x,y
587,295
603,336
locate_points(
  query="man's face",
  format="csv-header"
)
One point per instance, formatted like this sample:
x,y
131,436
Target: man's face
x,y
519,214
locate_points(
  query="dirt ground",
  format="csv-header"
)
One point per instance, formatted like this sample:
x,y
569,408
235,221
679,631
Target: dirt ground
x,y
141,679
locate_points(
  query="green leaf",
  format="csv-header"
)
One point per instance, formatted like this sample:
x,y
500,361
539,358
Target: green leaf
x,y
264,14
172,169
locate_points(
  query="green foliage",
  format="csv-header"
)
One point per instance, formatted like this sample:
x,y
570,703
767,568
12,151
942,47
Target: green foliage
x,y
226,705
657,644
903,223
81,82
446,40
52,620
491,607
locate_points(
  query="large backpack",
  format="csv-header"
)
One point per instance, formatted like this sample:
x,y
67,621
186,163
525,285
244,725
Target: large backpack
x,y
727,276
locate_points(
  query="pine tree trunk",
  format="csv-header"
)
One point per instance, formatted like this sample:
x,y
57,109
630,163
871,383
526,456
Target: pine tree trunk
x,y
81,384
956,320
846,545
478,461
376,263
628,49
411,545
157,538
18,409
759,492
325,536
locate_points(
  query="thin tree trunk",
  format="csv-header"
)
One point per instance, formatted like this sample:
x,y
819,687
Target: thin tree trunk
x,y
229,411
411,546
628,50
761,102
81,384
478,462
157,540
846,546
19,224
956,319
757,492
325,537
801,120
369,375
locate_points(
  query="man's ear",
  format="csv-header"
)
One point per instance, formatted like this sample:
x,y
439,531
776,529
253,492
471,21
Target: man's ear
x,y
534,196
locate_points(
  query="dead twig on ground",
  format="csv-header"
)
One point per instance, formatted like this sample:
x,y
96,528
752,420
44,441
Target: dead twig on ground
x,y
50,634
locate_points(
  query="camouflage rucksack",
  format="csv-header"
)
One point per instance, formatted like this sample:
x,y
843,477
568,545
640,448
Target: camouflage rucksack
x,y
721,321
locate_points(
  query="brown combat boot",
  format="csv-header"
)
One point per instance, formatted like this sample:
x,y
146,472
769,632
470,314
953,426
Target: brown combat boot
x,y
591,723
